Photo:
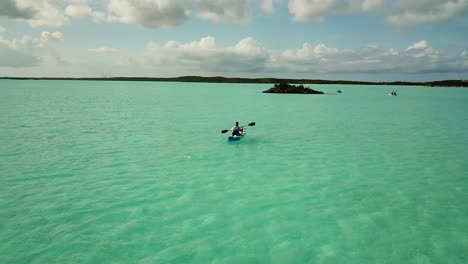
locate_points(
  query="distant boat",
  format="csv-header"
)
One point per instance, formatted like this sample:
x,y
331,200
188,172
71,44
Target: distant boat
x,y
339,91
393,93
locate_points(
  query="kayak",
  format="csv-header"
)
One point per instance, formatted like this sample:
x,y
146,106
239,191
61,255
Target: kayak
x,y
236,137
392,94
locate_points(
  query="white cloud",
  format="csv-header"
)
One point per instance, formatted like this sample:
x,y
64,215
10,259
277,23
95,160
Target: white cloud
x,y
464,56
418,45
322,50
146,13
10,57
46,36
104,49
84,11
166,13
189,57
404,13
203,55
26,51
249,57
151,14
249,47
238,11
43,12
422,49
10,9
267,6
208,42
36,13
81,2
419,57
319,52
18,52
372,5
413,12
172,13
80,10
316,9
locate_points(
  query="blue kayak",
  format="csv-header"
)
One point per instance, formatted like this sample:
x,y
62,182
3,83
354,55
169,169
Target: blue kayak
x,y
236,137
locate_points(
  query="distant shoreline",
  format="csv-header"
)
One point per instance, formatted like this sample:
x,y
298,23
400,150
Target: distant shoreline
x,y
219,79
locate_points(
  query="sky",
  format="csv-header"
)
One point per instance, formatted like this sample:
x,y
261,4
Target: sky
x,y
368,40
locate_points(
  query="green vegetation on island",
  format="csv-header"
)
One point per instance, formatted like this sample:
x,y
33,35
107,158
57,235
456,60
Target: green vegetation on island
x,y
291,89
220,79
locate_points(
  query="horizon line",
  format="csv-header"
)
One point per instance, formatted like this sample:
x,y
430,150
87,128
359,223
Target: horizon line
x,y
222,79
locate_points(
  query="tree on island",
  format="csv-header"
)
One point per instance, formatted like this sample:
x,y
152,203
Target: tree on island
x,y
293,89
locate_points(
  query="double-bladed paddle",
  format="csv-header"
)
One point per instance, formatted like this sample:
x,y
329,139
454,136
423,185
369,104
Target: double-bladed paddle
x,y
226,130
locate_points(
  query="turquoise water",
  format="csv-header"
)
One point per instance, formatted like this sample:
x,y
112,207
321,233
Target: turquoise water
x,y
138,172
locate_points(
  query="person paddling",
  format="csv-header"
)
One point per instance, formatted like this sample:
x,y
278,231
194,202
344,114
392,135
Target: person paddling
x,y
236,130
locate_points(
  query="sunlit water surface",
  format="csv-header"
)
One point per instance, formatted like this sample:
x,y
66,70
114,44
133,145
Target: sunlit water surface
x,y
138,172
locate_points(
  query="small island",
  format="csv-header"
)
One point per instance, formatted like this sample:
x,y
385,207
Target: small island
x,y
291,89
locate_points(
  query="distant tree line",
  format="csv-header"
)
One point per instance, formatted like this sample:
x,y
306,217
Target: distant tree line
x,y
220,79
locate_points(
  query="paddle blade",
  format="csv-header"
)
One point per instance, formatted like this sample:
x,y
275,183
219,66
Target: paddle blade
x,y
251,124
224,131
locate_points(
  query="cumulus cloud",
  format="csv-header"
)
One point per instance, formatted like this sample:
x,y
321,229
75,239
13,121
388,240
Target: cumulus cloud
x,y
151,14
403,14
410,12
418,57
48,13
172,13
245,56
36,13
324,59
146,13
17,52
249,57
46,36
82,10
205,43
267,6
238,11
178,54
10,9
25,51
421,45
316,9
249,47
464,56
372,5
422,49
166,13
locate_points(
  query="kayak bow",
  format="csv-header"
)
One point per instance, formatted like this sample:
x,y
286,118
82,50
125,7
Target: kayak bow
x,y
236,137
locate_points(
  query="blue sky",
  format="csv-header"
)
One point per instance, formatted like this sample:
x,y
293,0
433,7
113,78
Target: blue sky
x,y
375,40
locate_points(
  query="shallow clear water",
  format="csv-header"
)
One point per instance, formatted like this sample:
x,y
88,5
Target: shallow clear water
x,y
138,172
